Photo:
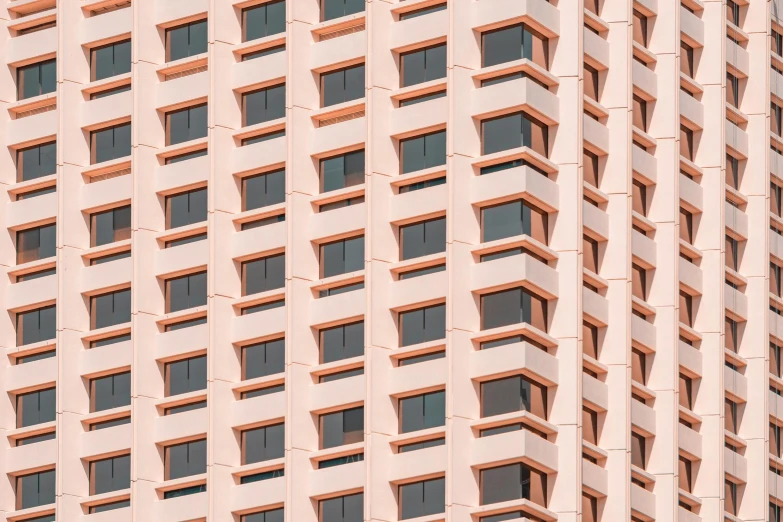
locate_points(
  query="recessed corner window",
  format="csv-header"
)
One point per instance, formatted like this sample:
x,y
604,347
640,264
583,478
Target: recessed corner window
x,y
263,20
36,489
513,219
513,306
342,85
420,499
514,43
110,60
264,443
513,131
186,40
422,412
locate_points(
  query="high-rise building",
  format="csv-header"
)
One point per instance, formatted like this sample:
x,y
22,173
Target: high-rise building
x,y
337,261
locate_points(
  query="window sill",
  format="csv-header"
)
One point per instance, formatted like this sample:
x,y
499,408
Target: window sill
x,y
643,53
336,281
642,475
689,333
419,89
521,153
96,417
338,23
181,315
30,349
596,22
338,109
594,279
105,333
689,415
258,129
596,109
23,7
524,417
105,84
33,266
418,349
338,195
690,250
257,467
642,390
106,498
594,364
180,483
734,440
35,102
734,115
105,167
643,222
594,451
738,361
178,149
336,452
259,44
511,330
179,400
181,65
641,306
32,184
523,65
257,383
351,363
269,296
180,232
29,431
525,505
508,243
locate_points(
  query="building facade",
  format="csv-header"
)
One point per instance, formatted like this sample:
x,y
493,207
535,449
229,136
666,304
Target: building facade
x,y
337,261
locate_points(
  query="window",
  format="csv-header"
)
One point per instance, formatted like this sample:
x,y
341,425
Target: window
x,y
511,394
591,82
774,279
36,161
342,203
341,257
421,12
640,113
186,124
112,391
186,208
337,290
264,190
730,492
186,292
732,12
342,171
186,240
422,411
638,454
36,325
732,253
589,503
732,89
590,253
513,306
731,338
419,499
685,474
262,359
263,20
36,243
514,43
513,131
103,94
110,226
686,142
512,482
108,475
775,360
686,59
686,308
413,100
776,43
187,156
349,508
110,143
100,508
513,219
110,60
423,325
37,356
36,407
776,199
263,105
730,416
590,339
261,275
186,375
639,281
106,341
265,443
686,391
589,425
423,65
422,239
638,366
775,442
423,152
422,272
775,511
186,40
35,489
639,28
184,460
36,79
342,342
732,171
331,9
263,52
273,515
590,167
686,225
639,197
775,118
342,85
341,427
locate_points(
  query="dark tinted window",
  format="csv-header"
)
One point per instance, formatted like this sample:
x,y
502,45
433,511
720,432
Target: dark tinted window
x,y
36,407
110,340
342,427
263,222
186,40
263,391
110,226
186,208
186,124
416,359
262,359
342,342
424,498
36,243
36,79
423,152
514,219
36,489
110,506
274,515
421,99
186,292
341,257
36,357
336,8
423,411
512,307
263,105
260,275
423,325
111,143
36,325
35,193
512,482
109,258
340,375
183,460
263,137
342,85
513,131
263,20
109,92
109,474
513,43
419,185
36,162
185,157
512,394
110,60
264,190
29,276
36,439
422,239
186,375
185,407
423,65
186,240
263,52
110,309
342,171
110,392
262,444
422,12
422,272
110,423
342,203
